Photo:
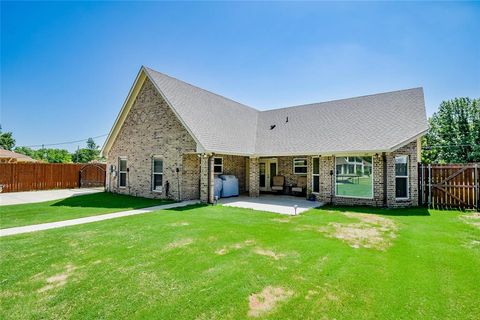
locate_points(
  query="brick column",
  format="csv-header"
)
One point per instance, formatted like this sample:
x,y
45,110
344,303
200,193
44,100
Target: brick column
x,y
326,185
206,179
254,187
309,176
211,186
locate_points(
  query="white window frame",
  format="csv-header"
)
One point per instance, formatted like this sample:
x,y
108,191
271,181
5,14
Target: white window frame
x,y
156,173
406,176
217,165
302,166
120,172
335,181
316,175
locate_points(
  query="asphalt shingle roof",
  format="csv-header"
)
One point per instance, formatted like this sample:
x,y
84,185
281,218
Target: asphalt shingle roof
x,y
378,122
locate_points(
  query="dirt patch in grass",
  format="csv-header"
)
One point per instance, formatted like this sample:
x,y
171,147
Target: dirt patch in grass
x,y
326,294
281,220
265,301
179,224
58,280
472,244
372,231
269,253
179,243
472,219
235,246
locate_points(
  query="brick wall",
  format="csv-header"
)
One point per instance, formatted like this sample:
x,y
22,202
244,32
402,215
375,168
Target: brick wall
x,y
190,175
327,183
237,166
411,151
285,168
151,128
254,178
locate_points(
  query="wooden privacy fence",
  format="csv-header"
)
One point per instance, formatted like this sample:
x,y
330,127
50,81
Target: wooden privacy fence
x,y
44,176
449,185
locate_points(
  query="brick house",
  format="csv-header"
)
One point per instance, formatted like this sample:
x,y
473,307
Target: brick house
x,y
171,138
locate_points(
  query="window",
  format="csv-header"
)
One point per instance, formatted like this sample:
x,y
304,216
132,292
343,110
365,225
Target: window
x,y
353,177
157,174
217,165
316,175
122,172
401,177
300,166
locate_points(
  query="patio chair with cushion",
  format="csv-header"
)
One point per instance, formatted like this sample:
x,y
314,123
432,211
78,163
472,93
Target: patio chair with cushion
x,y
301,185
278,182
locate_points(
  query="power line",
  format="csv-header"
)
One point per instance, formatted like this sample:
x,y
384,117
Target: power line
x,y
63,143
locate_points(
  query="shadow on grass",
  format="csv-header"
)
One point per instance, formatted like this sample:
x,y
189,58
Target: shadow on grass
x,y
109,200
190,207
414,211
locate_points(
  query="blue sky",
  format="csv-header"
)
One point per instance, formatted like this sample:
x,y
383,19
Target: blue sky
x,y
66,67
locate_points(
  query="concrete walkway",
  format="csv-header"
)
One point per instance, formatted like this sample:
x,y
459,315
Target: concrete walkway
x,y
73,222
272,203
43,195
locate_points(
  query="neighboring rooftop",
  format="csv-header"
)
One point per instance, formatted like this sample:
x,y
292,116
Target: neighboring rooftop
x,y
373,123
10,156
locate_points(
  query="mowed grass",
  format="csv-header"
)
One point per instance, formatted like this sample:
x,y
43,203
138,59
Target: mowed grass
x,y
71,208
214,262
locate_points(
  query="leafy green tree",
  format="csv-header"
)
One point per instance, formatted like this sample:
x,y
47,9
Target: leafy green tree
x,y
53,155
454,133
6,140
87,154
26,151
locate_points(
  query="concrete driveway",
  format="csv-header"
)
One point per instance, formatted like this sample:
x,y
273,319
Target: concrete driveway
x,y
44,195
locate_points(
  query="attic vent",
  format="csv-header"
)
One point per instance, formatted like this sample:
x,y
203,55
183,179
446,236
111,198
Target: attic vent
x,y
273,126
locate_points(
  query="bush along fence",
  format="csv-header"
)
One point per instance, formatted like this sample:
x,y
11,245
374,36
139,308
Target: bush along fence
x,y
449,185
44,176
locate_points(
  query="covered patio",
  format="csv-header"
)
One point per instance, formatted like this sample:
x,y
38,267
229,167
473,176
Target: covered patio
x,y
282,204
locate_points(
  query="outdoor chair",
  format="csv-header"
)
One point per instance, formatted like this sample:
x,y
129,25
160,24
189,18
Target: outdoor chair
x,y
301,185
278,182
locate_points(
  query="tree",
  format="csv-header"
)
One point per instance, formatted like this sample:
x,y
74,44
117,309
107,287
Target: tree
x,y
53,155
26,151
6,140
91,144
454,133
87,154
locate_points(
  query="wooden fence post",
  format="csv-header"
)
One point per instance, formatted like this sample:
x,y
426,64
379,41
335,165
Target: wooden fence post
x,y
429,185
476,186
422,186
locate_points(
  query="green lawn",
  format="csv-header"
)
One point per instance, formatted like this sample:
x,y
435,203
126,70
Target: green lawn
x,y
71,208
217,262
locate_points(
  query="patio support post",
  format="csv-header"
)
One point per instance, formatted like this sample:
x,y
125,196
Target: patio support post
x,y
254,178
206,178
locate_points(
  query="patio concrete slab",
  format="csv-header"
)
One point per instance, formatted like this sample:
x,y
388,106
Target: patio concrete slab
x,y
73,222
43,195
272,203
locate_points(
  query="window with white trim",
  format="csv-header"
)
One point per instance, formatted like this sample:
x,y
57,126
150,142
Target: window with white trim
x,y
316,175
401,177
300,166
122,172
218,165
157,174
